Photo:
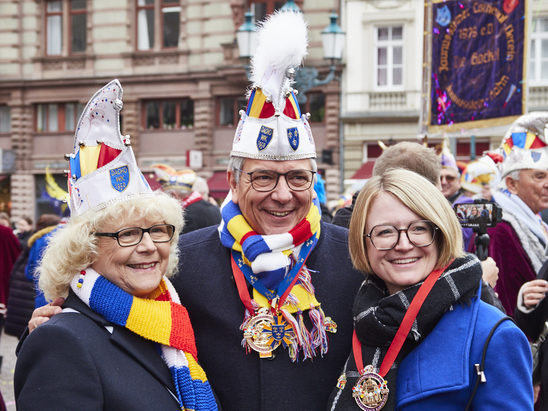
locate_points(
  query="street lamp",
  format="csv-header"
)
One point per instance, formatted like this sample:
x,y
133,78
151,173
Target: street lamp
x,y
246,37
333,43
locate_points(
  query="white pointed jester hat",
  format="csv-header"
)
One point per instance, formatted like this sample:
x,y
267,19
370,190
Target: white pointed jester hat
x,y
525,144
103,168
272,127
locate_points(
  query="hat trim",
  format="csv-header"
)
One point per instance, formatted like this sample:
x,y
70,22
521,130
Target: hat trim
x,y
272,157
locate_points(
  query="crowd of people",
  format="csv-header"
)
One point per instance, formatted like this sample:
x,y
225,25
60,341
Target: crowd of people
x,y
162,300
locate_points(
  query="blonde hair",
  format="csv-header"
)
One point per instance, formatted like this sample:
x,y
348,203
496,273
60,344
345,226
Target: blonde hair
x,y
421,197
73,247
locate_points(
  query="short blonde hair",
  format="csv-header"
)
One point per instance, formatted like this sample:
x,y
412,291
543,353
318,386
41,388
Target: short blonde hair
x,y
421,197
73,247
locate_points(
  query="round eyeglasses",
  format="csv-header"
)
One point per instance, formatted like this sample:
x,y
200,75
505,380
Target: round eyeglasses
x,y
267,180
419,233
126,237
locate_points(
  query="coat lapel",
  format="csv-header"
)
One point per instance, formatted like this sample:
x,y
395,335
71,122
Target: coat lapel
x,y
145,352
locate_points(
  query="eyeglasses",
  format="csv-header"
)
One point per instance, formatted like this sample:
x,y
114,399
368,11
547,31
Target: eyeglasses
x,y
449,179
267,180
126,237
419,233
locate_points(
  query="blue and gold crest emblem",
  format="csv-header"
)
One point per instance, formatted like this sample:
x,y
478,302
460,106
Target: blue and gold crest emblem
x,y
265,136
443,16
293,137
119,178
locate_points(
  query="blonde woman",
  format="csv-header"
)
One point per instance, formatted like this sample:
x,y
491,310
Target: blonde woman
x,y
419,324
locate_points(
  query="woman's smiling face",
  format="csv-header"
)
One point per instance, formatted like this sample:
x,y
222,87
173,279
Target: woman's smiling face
x,y
405,264
137,269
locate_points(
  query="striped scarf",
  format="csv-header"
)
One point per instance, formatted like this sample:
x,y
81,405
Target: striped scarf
x,y
160,318
268,258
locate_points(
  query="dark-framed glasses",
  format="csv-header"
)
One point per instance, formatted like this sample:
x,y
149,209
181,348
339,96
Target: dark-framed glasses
x,y
126,237
420,233
267,180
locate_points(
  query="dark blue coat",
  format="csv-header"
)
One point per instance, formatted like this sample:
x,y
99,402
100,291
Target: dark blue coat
x,y
439,374
74,362
244,381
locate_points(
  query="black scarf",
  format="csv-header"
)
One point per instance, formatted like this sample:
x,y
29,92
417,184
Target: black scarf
x,y
378,315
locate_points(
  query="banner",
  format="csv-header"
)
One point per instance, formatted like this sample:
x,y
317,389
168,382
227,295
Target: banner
x,y
477,63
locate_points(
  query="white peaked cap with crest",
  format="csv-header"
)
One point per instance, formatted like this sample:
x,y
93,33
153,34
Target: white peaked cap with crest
x,y
272,127
103,168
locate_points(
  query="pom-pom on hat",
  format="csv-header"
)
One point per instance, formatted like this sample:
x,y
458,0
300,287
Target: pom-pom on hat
x,y
103,168
272,127
524,145
478,173
174,180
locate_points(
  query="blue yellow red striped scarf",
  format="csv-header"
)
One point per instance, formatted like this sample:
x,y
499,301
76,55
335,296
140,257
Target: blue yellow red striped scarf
x,y
270,257
160,318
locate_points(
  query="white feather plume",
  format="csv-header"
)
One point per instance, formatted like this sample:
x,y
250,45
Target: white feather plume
x,y
282,44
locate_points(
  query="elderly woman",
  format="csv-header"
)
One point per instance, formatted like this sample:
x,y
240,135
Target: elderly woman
x,y
420,328
123,340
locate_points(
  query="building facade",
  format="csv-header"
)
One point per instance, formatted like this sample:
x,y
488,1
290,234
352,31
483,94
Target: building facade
x,y
385,80
177,61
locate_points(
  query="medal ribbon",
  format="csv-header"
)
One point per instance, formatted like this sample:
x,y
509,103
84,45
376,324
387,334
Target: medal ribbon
x,y
403,329
240,269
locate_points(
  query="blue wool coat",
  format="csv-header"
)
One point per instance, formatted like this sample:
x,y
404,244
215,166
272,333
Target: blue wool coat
x,y
244,381
430,379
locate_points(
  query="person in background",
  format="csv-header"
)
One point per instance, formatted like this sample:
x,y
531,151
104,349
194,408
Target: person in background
x,y
37,244
123,340
201,186
481,177
319,188
518,243
198,212
22,294
10,248
5,219
408,155
23,229
420,326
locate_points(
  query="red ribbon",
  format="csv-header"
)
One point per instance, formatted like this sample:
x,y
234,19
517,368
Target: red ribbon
x,y
403,329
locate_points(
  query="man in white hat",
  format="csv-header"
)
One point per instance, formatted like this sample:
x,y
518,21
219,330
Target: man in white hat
x,y
518,243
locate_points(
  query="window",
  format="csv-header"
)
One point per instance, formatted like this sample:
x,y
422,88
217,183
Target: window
x,y
315,105
54,117
168,114
166,27
389,58
261,9
229,109
75,13
538,63
5,119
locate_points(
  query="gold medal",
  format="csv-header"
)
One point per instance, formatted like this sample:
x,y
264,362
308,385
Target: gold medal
x,y
264,333
371,390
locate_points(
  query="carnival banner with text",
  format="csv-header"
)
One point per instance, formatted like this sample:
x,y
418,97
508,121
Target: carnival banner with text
x,y
477,63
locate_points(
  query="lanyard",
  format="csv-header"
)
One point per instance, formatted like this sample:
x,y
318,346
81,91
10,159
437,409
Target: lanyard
x,y
240,270
403,329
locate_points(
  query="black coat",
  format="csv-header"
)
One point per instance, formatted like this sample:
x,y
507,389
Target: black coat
x,y
199,215
244,381
532,325
73,362
20,298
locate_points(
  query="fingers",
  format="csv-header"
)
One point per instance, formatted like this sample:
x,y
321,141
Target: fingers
x,y
534,292
490,271
44,313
